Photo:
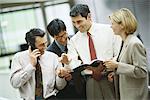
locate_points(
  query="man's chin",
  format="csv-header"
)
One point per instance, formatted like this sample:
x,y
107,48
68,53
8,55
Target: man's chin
x,y
82,31
64,44
42,52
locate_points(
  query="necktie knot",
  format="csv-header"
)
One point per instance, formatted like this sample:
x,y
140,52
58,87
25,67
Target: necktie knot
x,y
88,34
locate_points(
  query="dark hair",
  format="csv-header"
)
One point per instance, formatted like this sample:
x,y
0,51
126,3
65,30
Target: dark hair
x,y
31,35
80,9
55,27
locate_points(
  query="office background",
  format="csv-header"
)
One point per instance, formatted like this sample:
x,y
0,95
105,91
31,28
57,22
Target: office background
x,y
18,16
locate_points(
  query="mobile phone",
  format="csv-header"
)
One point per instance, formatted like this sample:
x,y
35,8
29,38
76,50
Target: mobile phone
x,y
33,48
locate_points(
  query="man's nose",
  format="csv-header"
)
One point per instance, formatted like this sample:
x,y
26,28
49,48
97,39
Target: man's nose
x,y
77,25
45,45
64,39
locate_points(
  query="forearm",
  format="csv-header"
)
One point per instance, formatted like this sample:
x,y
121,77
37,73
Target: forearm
x,y
131,70
21,76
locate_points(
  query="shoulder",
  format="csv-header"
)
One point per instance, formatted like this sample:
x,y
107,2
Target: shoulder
x,y
134,40
76,36
51,46
21,53
49,58
50,54
136,44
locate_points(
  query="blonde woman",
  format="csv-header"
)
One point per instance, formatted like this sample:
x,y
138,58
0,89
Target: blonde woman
x,y
131,65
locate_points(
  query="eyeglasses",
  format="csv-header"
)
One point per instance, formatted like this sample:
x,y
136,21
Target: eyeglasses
x,y
63,34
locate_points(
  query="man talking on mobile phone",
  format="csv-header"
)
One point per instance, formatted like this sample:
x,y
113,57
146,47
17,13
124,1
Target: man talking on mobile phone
x,y
35,72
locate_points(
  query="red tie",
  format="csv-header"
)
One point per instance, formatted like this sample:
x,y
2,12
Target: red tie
x,y
91,47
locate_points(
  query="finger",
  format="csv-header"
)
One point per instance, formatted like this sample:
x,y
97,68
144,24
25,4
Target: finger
x,y
68,78
63,54
108,63
110,75
62,71
29,49
57,71
36,51
66,75
37,55
68,71
105,63
59,59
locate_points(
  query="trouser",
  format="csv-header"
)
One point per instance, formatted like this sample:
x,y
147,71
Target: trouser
x,y
70,93
100,90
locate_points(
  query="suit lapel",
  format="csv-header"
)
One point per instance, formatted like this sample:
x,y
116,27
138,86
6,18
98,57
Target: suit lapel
x,y
57,49
125,46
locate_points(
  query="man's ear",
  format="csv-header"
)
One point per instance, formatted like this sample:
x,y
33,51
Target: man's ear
x,y
55,37
89,16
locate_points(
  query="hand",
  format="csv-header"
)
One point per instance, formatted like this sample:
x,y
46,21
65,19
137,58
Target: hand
x,y
64,59
111,64
33,55
110,76
67,68
62,72
68,77
96,71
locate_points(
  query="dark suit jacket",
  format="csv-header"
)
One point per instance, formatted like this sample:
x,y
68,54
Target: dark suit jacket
x,y
55,49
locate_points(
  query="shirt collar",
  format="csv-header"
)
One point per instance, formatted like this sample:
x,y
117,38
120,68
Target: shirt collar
x,y
91,29
62,47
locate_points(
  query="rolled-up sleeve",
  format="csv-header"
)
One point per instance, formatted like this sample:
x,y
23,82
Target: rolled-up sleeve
x,y
20,74
60,82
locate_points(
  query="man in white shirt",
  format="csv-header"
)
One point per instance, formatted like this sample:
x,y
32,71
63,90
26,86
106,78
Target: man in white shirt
x,y
24,66
106,46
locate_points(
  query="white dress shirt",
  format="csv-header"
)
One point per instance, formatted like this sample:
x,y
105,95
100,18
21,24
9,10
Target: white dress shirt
x,y
106,44
23,74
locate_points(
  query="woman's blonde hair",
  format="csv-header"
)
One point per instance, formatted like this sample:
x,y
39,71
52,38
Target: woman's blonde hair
x,y
125,17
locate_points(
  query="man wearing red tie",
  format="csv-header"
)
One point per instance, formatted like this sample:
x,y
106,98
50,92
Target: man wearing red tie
x,y
93,41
